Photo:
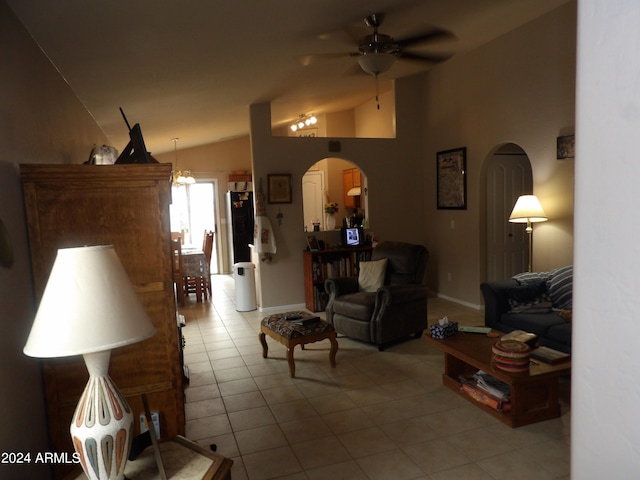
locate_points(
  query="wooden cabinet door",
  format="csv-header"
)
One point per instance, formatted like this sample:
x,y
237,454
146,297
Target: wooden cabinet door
x,y
350,179
126,206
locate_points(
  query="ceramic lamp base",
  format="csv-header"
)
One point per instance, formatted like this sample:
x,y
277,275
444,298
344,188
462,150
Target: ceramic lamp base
x,y
102,425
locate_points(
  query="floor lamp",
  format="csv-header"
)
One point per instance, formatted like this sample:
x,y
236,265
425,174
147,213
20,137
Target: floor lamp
x,y
528,210
90,307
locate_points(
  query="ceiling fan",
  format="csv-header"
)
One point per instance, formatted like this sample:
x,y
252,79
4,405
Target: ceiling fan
x,y
377,51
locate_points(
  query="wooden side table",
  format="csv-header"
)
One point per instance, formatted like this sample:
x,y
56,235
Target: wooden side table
x,y
182,459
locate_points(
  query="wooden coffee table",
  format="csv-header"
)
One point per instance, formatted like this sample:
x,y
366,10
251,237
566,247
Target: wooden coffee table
x,y
534,394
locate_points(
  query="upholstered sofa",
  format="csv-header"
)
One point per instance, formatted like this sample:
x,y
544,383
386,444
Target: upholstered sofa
x,y
536,302
387,301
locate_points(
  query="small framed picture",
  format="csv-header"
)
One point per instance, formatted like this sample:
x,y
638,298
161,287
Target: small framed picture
x,y
279,188
312,241
452,179
566,147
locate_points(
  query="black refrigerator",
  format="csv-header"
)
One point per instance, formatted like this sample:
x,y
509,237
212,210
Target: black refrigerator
x,y
240,218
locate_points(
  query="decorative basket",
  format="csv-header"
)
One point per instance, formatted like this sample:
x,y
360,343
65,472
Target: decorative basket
x,y
511,356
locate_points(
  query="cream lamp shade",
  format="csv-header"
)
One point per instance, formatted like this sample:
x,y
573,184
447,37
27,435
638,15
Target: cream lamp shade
x,y
89,307
527,209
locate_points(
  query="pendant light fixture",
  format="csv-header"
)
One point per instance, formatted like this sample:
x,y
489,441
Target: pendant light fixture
x,y
181,177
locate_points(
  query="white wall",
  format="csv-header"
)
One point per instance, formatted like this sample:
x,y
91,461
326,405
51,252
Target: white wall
x,y
606,327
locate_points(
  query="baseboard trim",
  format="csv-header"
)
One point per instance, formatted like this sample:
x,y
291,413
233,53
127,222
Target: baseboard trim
x,y
460,302
280,308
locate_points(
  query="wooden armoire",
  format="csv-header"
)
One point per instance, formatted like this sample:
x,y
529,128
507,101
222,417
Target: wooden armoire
x,y
126,206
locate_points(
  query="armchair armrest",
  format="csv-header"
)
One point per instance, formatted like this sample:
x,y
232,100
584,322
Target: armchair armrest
x,y
338,286
496,301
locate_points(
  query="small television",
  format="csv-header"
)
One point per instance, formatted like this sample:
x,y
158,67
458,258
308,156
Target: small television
x,y
352,237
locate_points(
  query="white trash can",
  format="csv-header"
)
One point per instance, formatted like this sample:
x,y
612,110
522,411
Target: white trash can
x,y
245,280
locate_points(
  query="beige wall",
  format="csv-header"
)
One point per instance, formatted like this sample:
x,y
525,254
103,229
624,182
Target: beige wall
x,y
519,88
41,121
281,282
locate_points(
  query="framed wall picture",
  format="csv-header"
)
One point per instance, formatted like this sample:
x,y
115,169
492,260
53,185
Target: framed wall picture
x,y
566,147
279,188
452,179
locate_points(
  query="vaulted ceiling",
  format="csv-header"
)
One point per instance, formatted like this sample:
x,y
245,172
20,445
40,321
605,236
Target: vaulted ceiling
x,y
190,69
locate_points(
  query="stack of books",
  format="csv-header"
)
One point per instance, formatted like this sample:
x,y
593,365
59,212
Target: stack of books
x,y
549,355
487,390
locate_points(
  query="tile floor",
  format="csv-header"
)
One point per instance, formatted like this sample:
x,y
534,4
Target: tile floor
x,y
377,415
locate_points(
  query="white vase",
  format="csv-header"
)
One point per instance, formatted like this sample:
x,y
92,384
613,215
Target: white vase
x,y
330,222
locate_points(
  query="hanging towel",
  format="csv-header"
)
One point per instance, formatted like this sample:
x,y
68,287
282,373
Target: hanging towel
x,y
264,241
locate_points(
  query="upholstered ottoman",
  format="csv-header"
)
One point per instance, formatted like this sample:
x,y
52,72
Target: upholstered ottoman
x,y
291,331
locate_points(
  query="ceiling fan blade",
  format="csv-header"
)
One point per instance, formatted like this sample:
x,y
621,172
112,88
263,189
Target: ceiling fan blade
x,y
425,57
434,35
315,58
356,33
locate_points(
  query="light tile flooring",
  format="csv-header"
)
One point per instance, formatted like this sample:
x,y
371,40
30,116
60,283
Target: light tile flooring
x,y
377,415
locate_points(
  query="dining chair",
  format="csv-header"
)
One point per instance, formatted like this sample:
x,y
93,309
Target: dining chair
x,y
198,281
207,248
178,276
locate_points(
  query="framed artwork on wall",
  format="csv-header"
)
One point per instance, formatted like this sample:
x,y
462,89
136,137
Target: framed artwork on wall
x,y
566,147
452,179
279,188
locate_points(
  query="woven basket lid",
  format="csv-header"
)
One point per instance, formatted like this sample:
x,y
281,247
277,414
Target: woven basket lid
x,y
511,349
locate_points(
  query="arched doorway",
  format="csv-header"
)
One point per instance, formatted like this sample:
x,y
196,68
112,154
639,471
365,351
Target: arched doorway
x,y
508,175
334,180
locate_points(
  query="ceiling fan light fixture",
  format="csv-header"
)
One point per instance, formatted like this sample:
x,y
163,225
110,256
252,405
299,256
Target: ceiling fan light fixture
x,y
376,63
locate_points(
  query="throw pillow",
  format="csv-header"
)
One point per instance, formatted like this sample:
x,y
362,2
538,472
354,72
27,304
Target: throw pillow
x,y
371,275
526,278
529,298
560,287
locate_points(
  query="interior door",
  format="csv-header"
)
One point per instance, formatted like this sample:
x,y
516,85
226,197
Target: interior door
x,y
508,176
313,198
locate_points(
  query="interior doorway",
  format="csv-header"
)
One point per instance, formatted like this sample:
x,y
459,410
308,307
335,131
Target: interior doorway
x,y
508,176
333,180
313,198
193,211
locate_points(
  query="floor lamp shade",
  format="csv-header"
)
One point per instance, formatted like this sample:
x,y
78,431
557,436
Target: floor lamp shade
x,y
528,210
90,307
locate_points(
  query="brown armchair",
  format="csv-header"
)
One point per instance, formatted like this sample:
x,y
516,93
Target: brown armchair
x,y
396,310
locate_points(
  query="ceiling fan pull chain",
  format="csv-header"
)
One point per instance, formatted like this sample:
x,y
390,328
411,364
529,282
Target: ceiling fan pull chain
x,y
377,91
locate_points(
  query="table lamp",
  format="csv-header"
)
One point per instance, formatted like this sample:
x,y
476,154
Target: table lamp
x,y
89,307
528,210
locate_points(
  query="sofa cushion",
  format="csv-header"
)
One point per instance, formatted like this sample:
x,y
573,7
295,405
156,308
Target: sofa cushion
x,y
356,305
560,287
371,275
538,323
560,334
